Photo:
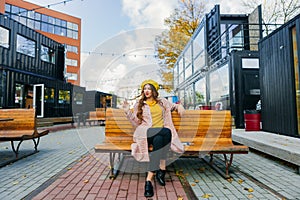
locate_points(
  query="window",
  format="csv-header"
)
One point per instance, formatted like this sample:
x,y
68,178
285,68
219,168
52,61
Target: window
x,y
37,25
69,33
71,62
64,23
198,44
189,97
188,71
236,38
64,97
42,22
70,25
219,84
72,31
57,30
26,46
78,98
23,12
49,95
4,37
30,14
37,16
30,23
175,76
181,98
200,93
47,54
44,27
75,27
7,8
188,56
250,63
71,48
51,20
63,32
15,10
180,67
50,28
44,18
71,76
57,22
199,61
75,35
22,20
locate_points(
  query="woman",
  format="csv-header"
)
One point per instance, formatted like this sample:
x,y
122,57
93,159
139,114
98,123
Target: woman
x,y
152,118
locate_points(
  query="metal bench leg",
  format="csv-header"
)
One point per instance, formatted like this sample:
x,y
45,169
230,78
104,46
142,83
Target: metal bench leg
x,y
115,167
211,159
228,163
36,143
111,162
16,151
216,168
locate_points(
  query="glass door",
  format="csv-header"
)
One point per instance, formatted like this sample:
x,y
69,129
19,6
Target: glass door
x,y
38,99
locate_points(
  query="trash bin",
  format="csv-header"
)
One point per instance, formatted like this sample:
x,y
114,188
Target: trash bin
x,y
252,120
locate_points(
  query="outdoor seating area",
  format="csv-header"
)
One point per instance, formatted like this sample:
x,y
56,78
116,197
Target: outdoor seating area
x,y
154,100
202,132
96,117
18,125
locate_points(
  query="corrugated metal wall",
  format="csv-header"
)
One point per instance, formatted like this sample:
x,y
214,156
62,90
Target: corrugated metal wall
x,y
278,81
12,59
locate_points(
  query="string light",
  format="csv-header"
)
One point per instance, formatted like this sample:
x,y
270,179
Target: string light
x,y
46,6
120,54
124,78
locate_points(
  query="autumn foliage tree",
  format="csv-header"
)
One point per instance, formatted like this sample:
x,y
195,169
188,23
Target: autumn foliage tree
x,y
181,24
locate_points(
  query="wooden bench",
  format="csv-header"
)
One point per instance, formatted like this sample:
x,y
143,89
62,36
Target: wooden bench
x,y
202,132
97,116
22,126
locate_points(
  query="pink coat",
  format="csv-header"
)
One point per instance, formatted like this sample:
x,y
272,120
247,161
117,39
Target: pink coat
x,y
139,149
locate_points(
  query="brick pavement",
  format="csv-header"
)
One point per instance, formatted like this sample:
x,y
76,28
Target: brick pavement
x,y
88,179
60,171
57,151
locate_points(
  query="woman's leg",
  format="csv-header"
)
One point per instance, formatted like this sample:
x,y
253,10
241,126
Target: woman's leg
x,y
161,141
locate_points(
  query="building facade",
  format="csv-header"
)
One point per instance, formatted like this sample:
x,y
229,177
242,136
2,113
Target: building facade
x,y
31,71
219,66
58,26
279,79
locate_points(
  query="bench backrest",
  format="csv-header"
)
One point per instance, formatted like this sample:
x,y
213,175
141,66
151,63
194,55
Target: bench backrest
x,y
194,127
23,119
98,114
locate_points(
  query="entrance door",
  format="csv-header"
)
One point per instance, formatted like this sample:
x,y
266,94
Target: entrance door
x,y
38,99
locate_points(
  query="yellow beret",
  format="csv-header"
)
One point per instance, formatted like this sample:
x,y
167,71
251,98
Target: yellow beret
x,y
152,82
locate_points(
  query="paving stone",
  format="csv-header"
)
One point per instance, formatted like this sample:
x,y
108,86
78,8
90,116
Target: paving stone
x,y
66,149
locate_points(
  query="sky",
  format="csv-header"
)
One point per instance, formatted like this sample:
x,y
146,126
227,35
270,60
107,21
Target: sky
x,y
117,38
102,19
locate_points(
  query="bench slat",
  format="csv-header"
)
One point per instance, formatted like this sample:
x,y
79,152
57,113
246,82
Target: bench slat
x,y
22,127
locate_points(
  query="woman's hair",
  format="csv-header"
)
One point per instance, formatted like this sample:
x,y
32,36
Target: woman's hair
x,y
142,99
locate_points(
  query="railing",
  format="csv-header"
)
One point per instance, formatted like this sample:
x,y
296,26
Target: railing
x,y
237,37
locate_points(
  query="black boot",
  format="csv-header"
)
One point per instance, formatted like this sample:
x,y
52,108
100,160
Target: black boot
x,y
160,177
148,189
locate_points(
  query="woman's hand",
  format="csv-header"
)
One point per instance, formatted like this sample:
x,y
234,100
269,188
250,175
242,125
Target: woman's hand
x,y
180,110
126,106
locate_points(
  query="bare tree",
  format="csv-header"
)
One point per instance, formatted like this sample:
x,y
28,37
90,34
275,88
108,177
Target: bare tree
x,y
275,11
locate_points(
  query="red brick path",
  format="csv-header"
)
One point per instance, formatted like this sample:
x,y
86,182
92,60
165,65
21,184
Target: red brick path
x,y
89,179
